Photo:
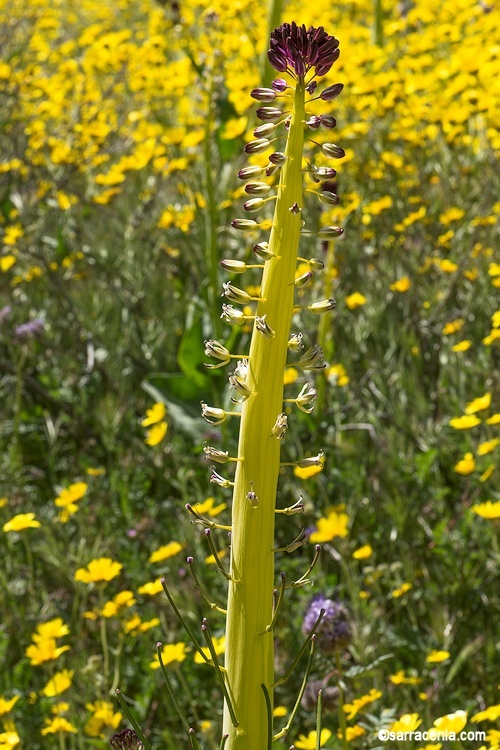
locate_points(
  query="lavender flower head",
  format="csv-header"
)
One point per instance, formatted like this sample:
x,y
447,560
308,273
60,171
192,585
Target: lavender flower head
x,y
296,50
334,630
127,739
30,329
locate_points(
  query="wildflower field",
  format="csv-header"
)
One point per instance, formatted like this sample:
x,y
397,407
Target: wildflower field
x,y
123,125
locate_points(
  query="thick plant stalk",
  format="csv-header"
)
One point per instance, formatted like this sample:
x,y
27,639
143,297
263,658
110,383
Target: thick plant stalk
x,y
249,661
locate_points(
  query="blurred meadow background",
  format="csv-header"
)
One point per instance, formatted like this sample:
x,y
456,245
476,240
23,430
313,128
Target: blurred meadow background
x,y
122,126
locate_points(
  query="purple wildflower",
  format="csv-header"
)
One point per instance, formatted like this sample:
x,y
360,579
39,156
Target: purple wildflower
x,y
5,313
334,630
127,739
296,50
30,329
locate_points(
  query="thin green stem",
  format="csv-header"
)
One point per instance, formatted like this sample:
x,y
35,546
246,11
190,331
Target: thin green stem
x,y
341,714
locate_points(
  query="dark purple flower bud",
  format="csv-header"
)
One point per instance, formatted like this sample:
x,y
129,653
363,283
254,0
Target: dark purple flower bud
x,y
30,329
272,169
247,172
278,158
325,173
257,188
331,149
269,114
279,85
258,146
331,92
127,739
311,87
254,204
313,122
327,121
264,130
326,233
334,630
331,199
263,95
296,49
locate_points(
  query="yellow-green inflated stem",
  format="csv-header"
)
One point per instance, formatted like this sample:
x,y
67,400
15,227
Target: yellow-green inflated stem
x,y
249,647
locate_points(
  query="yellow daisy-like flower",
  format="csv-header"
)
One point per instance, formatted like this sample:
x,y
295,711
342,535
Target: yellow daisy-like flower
x,y
308,471
465,422
400,678
351,709
59,724
435,657
71,494
451,723
21,522
494,419
99,570
290,376
45,650
478,404
163,553
355,300
6,706
280,711
462,346
453,326
487,510
156,434
219,646
55,628
335,524
352,733
401,591
466,465
207,508
151,589
119,602
6,262
401,285
447,266
9,740
60,682
489,714
487,473
363,552
154,415
406,723
103,718
311,741
487,446
171,653
337,375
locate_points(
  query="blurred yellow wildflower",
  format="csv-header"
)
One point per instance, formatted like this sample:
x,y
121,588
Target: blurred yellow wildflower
x,y
478,404
406,723
435,657
487,446
6,262
451,723
9,739
219,647
335,524
453,326
400,678
494,419
135,625
172,653
401,591
60,682
489,714
311,741
163,553
351,709
363,552
154,415
101,569
401,285
355,300
488,509
466,465
207,507
103,718
352,733
290,376
71,494
447,266
465,422
44,650
337,375
307,472
156,434
280,711
119,602
6,706
21,522
462,346
59,725
151,589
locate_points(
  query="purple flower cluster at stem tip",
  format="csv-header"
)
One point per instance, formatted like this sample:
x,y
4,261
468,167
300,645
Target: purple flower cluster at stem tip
x,y
295,49
334,630
30,329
